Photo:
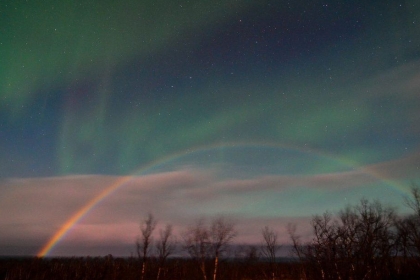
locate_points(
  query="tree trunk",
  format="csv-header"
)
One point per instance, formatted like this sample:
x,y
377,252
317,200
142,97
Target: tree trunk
x,y
158,274
203,270
216,263
143,269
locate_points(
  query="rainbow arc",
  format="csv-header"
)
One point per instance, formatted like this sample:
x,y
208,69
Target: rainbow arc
x,y
76,217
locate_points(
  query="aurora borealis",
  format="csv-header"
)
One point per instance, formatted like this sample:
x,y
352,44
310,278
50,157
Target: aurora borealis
x,y
268,111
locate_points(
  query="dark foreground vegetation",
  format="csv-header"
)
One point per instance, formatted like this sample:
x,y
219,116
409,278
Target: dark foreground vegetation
x,y
363,241
130,268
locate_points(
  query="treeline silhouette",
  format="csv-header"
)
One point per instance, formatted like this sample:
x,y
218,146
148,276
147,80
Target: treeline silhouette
x,y
364,241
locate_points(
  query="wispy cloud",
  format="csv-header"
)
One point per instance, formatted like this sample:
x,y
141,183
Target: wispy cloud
x,y
37,207
391,170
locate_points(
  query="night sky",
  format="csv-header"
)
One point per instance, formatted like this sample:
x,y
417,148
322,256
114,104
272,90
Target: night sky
x,y
265,111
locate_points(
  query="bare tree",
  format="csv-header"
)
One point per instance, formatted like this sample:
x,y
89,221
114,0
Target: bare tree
x,y
165,246
145,240
297,249
269,248
414,201
222,231
409,232
358,244
375,239
203,243
197,244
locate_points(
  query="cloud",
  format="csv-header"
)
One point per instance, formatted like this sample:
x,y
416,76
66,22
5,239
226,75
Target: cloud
x,y
403,80
391,170
38,207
